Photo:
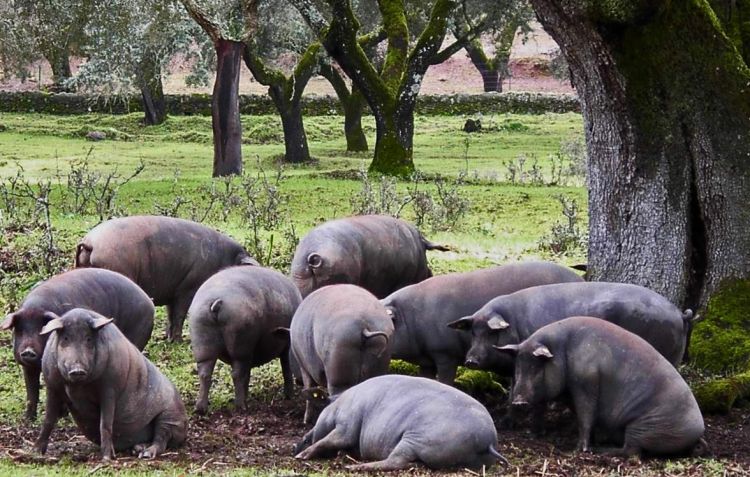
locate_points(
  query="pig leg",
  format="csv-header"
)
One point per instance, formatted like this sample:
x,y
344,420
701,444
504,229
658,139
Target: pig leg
x,y
400,457
167,429
241,379
584,402
31,379
106,421
52,410
446,370
335,440
427,371
205,374
311,411
176,312
286,371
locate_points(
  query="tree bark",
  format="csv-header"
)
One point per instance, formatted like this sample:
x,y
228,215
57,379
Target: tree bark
x,y
353,104
225,108
59,61
152,91
393,144
667,112
486,67
295,139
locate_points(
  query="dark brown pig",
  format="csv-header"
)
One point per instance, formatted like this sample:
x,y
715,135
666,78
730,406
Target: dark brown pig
x,y
376,252
235,317
421,312
617,381
108,293
339,338
116,396
169,258
399,420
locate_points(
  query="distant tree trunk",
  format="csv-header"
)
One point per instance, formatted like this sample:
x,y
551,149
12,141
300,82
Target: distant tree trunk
x,y
295,139
394,140
486,67
353,104
59,61
225,108
152,91
666,107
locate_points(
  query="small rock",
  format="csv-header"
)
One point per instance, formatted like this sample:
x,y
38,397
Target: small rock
x,y
96,136
3,128
472,125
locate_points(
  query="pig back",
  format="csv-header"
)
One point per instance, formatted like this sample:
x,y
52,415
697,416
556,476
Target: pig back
x,y
106,292
163,255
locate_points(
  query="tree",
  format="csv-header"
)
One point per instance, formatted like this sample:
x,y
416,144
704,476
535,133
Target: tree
x,y
501,20
55,28
229,43
666,105
390,91
352,102
129,44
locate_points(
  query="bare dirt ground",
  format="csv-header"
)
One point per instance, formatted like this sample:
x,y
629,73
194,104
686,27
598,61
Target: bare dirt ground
x,y
457,75
264,436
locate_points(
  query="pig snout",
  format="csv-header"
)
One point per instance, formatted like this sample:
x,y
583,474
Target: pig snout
x,y
28,355
520,401
472,362
76,373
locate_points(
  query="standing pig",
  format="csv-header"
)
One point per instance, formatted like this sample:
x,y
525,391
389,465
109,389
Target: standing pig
x,y
617,381
169,258
421,312
117,398
235,317
512,318
398,420
339,337
108,293
379,253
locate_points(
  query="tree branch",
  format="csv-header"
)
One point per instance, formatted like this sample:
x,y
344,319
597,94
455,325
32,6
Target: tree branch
x,y
311,15
201,17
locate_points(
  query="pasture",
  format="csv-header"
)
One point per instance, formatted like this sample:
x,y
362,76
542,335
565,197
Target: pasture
x,y
513,191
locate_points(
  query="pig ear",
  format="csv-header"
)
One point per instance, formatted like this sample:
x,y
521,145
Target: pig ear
x,y
216,306
542,352
99,323
464,323
248,260
377,347
9,322
496,323
281,332
314,260
315,394
53,325
510,349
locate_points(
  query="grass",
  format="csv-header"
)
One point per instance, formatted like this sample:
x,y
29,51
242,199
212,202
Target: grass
x,y
504,221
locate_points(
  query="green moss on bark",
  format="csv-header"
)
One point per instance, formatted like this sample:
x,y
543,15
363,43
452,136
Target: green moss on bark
x,y
720,395
721,342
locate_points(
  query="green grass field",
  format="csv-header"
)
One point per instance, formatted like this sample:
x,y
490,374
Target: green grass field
x,y
511,179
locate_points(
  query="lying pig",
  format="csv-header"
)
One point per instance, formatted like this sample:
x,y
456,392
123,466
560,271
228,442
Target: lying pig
x,y
169,258
117,398
379,253
235,317
617,381
421,312
339,337
399,420
108,293
512,318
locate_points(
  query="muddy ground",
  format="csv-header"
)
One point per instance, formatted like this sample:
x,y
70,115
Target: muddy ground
x,y
263,438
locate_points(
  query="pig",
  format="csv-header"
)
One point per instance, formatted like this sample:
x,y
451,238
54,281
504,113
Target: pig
x,y
379,253
421,312
169,258
512,318
617,381
339,337
399,420
235,317
108,293
116,396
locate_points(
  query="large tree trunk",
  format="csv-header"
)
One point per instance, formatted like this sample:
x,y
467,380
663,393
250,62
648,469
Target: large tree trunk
x,y
152,91
393,141
59,61
225,108
356,141
295,139
486,67
667,113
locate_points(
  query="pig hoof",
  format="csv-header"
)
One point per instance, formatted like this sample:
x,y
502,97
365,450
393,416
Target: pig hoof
x,y
201,409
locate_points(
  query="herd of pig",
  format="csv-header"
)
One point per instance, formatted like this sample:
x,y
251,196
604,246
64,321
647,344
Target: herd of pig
x,y
360,294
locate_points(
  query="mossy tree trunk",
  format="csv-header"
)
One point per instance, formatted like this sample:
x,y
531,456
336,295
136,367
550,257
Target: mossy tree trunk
x,y
152,90
286,93
59,61
353,104
493,69
667,112
391,90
